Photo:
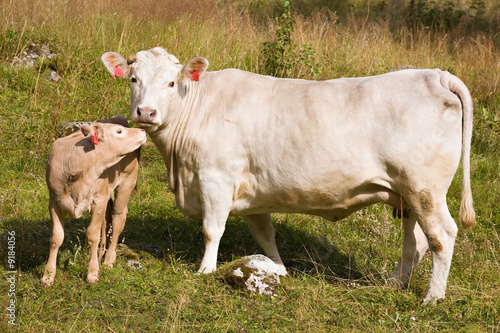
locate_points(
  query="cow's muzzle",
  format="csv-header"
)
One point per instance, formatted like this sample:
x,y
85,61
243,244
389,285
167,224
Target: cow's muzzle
x,y
144,114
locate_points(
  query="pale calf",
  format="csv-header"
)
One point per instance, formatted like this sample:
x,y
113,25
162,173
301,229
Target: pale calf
x,y
83,170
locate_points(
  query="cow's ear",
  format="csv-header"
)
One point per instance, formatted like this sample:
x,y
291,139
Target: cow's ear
x,y
116,64
200,64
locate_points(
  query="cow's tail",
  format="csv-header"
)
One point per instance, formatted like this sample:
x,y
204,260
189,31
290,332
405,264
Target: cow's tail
x,y
455,85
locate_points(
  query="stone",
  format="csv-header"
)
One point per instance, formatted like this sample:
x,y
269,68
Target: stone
x,y
255,273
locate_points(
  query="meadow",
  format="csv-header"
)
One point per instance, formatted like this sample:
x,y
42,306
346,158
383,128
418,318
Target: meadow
x,y
337,271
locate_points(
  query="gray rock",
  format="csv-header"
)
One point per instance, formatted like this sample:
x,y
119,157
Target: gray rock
x,y
54,76
73,126
30,55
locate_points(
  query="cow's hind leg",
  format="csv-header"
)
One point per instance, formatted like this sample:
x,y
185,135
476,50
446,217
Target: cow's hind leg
x,y
441,237
414,247
56,241
262,229
440,230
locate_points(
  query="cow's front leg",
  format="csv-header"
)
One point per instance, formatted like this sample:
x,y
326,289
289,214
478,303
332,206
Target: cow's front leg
x,y
216,203
262,229
212,232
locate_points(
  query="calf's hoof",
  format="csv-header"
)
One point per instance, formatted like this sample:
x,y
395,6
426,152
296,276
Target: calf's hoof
x,y
92,278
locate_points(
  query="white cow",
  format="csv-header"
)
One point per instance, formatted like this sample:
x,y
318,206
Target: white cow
x,y
238,143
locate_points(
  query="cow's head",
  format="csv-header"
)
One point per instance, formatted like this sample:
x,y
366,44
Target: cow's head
x,y
157,80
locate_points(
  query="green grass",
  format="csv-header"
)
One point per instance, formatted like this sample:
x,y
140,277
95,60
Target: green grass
x,y
337,270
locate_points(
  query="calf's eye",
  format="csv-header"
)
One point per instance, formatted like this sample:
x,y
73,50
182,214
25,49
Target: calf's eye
x,y
119,130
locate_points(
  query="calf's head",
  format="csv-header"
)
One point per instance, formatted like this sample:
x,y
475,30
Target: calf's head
x,y
114,140
158,83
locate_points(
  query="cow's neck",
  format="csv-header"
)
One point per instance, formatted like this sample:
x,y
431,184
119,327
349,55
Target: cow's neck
x,y
180,130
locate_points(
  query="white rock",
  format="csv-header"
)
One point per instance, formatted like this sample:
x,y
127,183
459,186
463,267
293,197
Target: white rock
x,y
256,273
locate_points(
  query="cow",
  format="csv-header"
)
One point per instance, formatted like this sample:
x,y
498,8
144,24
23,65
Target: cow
x,y
239,143
83,170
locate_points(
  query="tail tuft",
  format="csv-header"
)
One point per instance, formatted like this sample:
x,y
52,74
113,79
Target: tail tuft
x,y
467,214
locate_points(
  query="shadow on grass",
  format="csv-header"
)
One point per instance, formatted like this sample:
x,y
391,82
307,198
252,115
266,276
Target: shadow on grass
x,y
182,237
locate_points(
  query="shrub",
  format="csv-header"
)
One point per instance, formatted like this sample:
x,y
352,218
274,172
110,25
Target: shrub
x,y
281,57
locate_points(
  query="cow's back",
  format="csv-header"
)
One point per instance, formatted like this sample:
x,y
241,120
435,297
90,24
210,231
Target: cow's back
x,y
304,146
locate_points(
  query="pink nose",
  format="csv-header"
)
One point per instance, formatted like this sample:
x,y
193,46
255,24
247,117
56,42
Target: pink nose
x,y
145,114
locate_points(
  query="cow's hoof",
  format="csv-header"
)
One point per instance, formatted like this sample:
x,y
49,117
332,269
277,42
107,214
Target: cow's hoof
x,y
431,300
205,270
282,270
47,282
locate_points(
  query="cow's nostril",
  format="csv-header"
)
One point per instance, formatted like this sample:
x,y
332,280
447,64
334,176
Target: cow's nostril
x,y
152,114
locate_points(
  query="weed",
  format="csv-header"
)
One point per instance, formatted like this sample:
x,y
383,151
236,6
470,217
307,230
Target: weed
x,y
282,58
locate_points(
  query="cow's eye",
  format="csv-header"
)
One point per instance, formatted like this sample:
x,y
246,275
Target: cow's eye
x,y
171,84
133,79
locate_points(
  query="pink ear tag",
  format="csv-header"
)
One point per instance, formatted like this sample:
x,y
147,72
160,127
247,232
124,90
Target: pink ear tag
x,y
95,139
118,72
195,76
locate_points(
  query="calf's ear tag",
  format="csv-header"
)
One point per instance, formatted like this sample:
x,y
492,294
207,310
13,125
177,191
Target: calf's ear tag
x,y
118,72
195,76
95,139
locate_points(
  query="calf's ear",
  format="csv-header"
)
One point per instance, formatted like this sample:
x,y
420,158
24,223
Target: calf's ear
x,y
94,129
98,129
116,64
200,64
86,130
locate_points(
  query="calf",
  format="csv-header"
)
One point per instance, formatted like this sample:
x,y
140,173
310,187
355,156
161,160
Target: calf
x,y
83,170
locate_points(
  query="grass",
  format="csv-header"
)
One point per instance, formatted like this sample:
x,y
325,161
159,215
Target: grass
x,y
337,270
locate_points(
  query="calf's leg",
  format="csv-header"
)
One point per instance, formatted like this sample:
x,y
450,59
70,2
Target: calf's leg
x,y
119,215
119,208
93,235
56,241
105,228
